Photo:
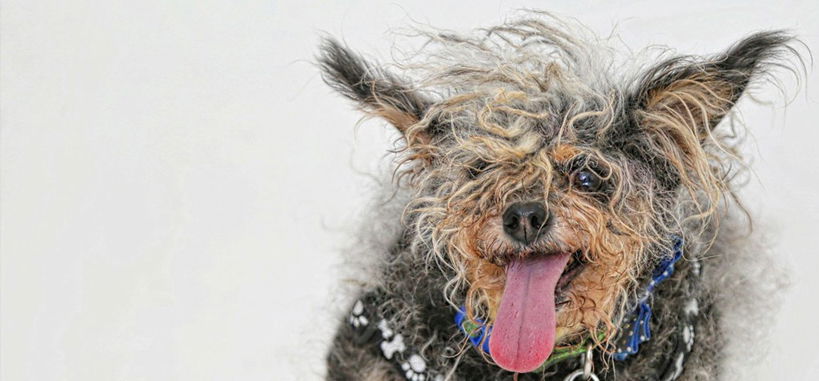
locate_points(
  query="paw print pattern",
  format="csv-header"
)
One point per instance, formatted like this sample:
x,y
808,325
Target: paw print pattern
x,y
390,347
357,318
414,368
691,311
392,343
386,332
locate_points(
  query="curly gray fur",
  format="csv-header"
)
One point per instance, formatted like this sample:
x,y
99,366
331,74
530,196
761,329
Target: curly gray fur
x,y
568,90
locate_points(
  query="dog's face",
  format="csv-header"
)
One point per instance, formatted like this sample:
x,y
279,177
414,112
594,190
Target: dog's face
x,y
546,180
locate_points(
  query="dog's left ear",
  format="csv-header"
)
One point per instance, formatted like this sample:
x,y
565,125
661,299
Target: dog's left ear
x,y
678,103
376,91
696,93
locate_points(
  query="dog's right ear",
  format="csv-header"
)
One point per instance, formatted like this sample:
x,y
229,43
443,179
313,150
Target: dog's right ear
x,y
376,91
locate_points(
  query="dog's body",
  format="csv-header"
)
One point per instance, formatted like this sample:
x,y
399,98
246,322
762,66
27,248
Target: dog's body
x,y
545,197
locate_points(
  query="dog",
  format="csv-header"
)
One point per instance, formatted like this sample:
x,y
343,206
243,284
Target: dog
x,y
564,217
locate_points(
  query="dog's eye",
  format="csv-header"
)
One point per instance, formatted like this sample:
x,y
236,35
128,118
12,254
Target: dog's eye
x,y
587,181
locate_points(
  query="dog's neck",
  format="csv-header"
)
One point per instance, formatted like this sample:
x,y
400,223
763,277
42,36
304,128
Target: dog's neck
x,y
410,304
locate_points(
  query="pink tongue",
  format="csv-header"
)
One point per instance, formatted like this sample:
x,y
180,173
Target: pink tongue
x,y
523,334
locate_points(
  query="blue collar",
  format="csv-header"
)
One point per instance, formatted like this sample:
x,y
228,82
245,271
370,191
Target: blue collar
x,y
638,323
635,331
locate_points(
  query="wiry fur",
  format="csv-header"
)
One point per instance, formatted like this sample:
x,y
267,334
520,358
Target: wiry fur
x,y
512,115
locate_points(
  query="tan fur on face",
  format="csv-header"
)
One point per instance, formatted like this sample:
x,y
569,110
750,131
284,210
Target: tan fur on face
x,y
462,215
565,152
612,244
502,126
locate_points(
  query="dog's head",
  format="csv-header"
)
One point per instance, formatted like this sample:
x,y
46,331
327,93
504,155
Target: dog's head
x,y
545,176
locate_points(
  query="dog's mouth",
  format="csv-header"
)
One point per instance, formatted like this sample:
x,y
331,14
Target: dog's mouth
x,y
573,269
524,329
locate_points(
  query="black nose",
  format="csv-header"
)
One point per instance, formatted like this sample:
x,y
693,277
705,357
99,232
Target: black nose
x,y
525,221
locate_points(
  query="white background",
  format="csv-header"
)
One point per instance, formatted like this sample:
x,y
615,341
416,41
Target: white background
x,y
177,181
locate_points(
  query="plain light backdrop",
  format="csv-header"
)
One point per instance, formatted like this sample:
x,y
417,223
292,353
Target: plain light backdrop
x,y
178,183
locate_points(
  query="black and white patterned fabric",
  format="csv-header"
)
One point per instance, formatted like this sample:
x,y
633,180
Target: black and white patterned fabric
x,y
372,328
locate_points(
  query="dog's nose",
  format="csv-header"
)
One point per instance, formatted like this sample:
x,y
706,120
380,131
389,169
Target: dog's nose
x,y
525,221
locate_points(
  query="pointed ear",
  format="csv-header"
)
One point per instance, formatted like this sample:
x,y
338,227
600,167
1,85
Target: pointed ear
x,y
678,102
698,92
376,91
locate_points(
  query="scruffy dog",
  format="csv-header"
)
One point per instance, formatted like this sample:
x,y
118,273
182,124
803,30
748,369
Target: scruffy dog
x,y
566,217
